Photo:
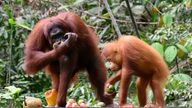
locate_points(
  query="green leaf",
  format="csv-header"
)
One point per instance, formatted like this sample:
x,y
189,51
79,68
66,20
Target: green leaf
x,y
160,21
158,47
188,45
11,21
181,51
183,77
78,2
167,19
104,31
5,35
106,15
24,26
13,90
5,96
170,53
182,48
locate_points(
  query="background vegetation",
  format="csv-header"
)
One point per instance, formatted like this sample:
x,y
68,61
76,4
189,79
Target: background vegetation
x,y
165,24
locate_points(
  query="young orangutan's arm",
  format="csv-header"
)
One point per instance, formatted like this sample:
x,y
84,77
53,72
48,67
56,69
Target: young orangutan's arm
x,y
112,80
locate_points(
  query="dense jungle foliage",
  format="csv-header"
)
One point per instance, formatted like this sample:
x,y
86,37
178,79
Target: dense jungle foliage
x,y
164,24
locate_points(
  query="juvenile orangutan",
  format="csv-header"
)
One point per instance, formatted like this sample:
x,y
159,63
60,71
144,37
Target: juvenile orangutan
x,y
131,56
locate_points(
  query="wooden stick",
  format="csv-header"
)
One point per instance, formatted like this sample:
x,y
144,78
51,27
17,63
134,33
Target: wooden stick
x,y
132,18
112,18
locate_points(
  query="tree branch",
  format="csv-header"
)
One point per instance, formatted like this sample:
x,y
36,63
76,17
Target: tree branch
x,y
132,18
112,18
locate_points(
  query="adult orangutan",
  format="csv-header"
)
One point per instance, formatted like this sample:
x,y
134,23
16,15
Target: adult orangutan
x,y
131,56
75,49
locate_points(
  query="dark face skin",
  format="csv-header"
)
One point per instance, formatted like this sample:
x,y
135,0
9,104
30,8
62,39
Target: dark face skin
x,y
57,35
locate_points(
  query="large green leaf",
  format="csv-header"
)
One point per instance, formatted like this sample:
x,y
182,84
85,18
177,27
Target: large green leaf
x,y
183,77
167,19
158,47
176,81
170,53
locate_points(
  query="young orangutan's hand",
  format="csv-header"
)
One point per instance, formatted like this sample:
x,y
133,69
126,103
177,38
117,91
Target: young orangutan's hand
x,y
110,90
